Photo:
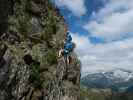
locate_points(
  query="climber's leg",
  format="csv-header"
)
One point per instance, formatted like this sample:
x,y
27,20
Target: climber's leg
x,y
66,55
60,52
65,58
69,60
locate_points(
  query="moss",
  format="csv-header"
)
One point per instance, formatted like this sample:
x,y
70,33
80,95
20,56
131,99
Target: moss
x,y
50,23
51,57
46,36
24,26
46,83
48,77
37,71
35,76
39,52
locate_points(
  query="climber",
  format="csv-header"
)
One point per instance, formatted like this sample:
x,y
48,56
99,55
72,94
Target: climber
x,y
68,48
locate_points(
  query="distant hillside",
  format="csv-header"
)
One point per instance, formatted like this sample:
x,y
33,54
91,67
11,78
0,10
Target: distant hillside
x,y
112,85
94,94
117,80
104,94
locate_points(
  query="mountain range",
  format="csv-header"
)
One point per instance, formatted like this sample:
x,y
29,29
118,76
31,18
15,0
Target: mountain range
x,y
117,80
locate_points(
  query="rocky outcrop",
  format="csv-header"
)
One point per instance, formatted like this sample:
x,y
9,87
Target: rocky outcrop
x,y
31,33
66,85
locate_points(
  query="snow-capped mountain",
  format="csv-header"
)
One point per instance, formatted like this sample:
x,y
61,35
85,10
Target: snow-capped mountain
x,y
118,78
119,75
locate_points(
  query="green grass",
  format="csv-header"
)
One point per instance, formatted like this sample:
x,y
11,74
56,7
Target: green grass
x,y
88,94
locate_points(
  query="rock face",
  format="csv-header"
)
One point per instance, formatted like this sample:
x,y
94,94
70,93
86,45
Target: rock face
x,y
31,33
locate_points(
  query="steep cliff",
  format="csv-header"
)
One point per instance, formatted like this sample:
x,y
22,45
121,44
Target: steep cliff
x,y
31,33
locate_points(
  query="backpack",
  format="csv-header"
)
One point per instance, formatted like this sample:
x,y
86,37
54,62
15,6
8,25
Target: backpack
x,y
69,38
69,46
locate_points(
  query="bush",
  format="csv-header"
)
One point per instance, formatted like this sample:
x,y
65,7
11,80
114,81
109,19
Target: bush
x,y
24,25
46,36
51,57
51,26
35,76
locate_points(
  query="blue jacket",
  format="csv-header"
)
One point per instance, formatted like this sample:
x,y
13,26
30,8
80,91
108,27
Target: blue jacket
x,y
68,46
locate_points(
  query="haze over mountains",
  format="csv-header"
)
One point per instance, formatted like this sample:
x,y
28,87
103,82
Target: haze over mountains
x,y
118,79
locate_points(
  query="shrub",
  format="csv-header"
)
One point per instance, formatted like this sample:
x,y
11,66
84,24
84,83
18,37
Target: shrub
x,y
23,26
35,76
51,57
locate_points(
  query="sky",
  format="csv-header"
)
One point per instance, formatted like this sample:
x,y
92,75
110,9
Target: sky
x,y
102,31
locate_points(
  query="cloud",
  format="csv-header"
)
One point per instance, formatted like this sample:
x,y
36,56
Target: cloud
x,y
104,57
77,7
113,21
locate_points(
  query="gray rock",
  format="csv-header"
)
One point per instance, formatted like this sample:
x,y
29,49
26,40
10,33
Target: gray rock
x,y
41,76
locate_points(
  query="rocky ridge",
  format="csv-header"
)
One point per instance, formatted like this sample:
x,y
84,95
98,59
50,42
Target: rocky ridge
x,y
31,33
